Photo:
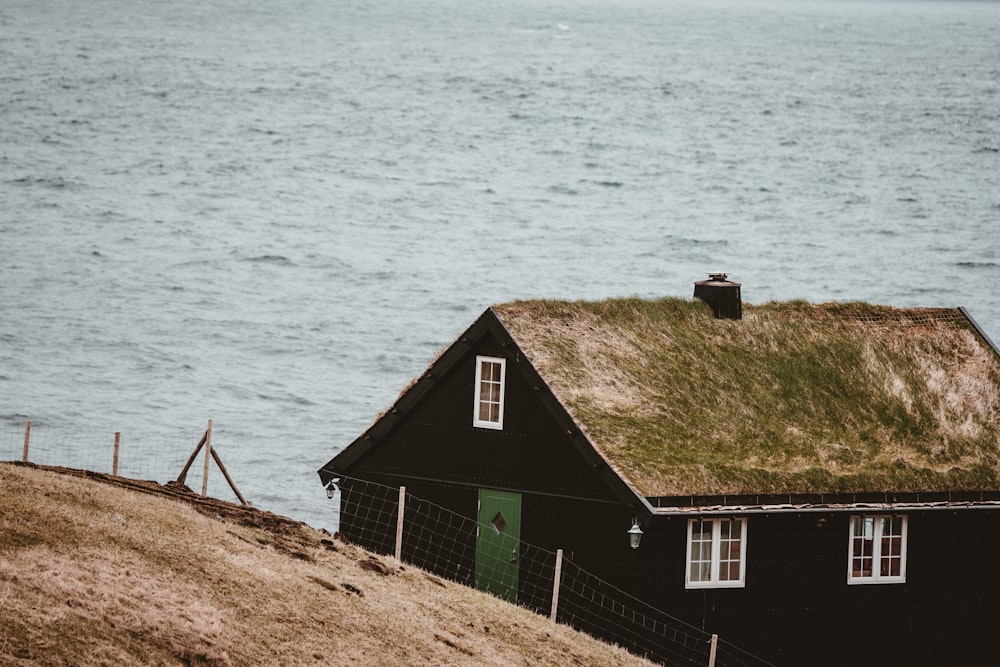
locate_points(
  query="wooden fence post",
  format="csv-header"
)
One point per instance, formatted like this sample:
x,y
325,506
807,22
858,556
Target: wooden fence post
x,y
399,523
27,438
181,478
712,651
208,457
114,466
555,586
225,473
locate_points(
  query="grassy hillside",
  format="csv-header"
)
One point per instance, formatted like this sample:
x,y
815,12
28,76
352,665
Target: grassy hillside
x,y
92,573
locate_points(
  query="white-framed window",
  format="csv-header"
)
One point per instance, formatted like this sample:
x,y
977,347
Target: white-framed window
x,y
877,553
717,553
490,375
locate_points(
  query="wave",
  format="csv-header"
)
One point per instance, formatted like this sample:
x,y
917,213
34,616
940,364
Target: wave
x,y
17,419
288,398
54,183
280,260
977,265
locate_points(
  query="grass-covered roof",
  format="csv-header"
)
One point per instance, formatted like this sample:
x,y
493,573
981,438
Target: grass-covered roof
x,y
793,398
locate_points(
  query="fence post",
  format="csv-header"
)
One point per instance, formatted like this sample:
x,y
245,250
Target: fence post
x,y
27,438
399,523
208,457
555,586
225,473
711,653
114,466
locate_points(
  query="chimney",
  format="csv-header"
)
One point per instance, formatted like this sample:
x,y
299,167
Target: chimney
x,y
722,295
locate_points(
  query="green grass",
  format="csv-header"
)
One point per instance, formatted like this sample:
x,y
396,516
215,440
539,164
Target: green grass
x,y
794,398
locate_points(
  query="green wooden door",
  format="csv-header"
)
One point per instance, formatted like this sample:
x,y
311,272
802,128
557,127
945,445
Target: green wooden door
x,y
498,543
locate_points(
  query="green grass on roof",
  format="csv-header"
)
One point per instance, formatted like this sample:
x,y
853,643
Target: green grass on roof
x,y
794,398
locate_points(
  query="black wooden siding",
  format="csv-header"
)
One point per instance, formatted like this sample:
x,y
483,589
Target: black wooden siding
x,y
436,439
798,609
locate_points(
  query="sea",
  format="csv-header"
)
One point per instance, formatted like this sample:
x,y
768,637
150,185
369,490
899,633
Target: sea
x,y
273,214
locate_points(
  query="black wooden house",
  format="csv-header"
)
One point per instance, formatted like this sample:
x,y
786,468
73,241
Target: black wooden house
x,y
818,484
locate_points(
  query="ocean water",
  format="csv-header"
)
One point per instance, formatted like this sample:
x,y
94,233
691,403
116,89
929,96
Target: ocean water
x,y
274,214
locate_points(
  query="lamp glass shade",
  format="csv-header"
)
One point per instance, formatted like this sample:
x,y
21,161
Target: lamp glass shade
x,y
634,535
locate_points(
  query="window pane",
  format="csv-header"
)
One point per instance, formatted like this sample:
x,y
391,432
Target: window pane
x,y
489,391
863,526
701,551
892,546
890,567
729,550
701,571
862,546
891,561
877,547
715,551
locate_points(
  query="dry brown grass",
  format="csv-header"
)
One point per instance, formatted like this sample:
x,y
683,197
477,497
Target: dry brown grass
x,y
95,574
795,398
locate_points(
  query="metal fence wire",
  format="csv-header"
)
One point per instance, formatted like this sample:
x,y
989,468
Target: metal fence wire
x,y
160,457
427,536
443,542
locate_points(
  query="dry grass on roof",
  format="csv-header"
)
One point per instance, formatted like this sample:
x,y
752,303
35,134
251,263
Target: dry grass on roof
x,y
795,398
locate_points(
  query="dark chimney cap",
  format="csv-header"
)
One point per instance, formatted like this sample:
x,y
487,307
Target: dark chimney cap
x,y
722,295
717,278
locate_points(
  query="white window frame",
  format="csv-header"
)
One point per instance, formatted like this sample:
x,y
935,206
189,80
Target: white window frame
x,y
713,581
877,556
478,400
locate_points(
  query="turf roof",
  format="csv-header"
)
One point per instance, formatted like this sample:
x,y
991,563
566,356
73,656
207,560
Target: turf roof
x,y
793,398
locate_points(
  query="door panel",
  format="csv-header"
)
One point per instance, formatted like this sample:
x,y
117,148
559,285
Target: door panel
x,y
498,543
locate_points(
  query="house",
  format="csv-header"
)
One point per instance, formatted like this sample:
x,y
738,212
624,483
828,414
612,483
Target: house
x,y
818,484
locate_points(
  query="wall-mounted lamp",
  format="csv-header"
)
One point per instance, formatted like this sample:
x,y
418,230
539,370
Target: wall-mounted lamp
x,y
332,488
634,534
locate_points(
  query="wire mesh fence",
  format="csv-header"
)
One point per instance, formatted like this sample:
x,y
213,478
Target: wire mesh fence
x,y
426,535
445,543
160,457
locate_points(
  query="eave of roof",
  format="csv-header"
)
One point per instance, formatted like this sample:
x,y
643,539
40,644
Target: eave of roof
x,y
795,398
865,508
